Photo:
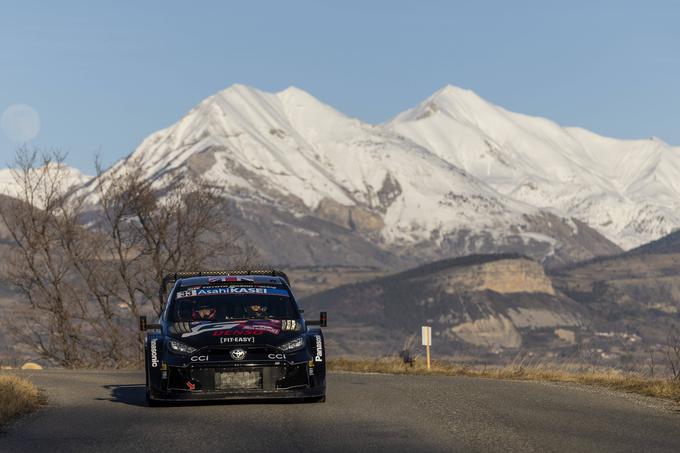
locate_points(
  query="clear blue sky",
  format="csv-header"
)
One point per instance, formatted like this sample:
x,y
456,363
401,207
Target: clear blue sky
x,y
103,77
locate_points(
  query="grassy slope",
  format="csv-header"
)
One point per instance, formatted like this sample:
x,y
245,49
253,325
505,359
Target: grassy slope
x,y
614,379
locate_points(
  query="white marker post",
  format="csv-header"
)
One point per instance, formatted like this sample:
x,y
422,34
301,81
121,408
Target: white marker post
x,y
427,341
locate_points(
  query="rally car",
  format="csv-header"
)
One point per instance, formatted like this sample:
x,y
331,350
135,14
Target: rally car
x,y
235,334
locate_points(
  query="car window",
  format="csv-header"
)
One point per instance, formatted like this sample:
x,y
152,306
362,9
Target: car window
x,y
219,303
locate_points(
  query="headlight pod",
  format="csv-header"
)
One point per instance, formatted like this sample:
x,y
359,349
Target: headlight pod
x,y
180,348
293,345
290,325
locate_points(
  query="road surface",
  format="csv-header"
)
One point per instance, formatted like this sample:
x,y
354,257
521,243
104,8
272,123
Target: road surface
x,y
92,411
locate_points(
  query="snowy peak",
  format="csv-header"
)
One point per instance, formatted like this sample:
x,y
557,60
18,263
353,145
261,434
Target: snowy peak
x,y
456,173
70,177
450,100
628,189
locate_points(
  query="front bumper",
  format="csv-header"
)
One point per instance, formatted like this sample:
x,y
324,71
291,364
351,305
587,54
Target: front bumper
x,y
261,395
242,381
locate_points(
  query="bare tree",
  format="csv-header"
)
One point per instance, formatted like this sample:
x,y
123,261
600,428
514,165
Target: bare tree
x,y
90,262
673,355
155,231
38,267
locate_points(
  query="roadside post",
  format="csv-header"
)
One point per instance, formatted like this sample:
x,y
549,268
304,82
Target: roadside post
x,y
427,341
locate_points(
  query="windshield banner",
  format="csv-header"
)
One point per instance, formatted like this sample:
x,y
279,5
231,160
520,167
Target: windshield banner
x,y
213,291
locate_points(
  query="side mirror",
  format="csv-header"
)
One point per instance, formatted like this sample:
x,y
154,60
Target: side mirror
x,y
323,320
143,326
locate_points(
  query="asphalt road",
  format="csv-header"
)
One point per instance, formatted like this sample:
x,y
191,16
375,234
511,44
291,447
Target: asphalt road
x,y
105,411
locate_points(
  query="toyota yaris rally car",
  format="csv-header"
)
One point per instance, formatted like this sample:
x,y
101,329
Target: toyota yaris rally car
x,y
233,335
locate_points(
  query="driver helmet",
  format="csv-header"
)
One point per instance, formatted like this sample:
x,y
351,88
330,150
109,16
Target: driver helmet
x,y
204,310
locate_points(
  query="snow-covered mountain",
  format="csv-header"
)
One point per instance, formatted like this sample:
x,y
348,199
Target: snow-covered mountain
x,y
627,189
294,167
71,177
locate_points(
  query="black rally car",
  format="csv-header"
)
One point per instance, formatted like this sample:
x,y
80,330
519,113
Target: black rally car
x,y
235,334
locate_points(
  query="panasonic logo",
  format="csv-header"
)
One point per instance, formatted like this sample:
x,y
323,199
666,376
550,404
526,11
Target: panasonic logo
x,y
154,353
319,349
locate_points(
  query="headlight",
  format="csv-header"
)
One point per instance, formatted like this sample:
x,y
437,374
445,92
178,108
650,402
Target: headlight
x,y
176,346
293,345
290,324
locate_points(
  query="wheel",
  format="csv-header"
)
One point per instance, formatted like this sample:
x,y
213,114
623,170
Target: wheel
x,y
150,401
317,399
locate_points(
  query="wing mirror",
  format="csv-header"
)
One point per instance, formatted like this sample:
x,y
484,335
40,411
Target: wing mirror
x,y
143,325
323,320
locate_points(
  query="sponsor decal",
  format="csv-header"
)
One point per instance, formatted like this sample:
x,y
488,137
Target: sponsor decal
x,y
224,340
239,328
267,328
226,333
191,385
154,353
199,358
232,290
238,354
276,356
319,349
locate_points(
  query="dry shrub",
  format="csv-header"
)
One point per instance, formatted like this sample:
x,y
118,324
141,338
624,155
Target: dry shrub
x,y
17,396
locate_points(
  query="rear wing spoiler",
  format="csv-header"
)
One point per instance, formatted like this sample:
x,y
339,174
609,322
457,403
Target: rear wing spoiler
x,y
172,278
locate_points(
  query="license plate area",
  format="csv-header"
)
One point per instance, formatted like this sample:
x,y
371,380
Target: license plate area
x,y
238,379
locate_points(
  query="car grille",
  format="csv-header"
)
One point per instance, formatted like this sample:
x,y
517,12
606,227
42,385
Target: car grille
x,y
238,379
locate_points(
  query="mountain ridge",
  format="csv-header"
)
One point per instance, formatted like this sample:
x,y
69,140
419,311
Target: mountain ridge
x,y
454,175
290,151
627,189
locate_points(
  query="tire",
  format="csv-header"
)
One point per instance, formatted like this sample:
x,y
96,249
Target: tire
x,y
316,399
150,402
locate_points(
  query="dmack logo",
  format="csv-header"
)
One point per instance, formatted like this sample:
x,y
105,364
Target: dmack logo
x,y
154,353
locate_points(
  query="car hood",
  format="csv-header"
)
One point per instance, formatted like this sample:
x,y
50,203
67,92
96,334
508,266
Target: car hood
x,y
244,332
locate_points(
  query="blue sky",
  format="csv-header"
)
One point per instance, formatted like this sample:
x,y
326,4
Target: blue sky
x,y
103,77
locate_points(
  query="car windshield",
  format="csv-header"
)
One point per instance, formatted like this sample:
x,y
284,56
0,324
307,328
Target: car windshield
x,y
211,303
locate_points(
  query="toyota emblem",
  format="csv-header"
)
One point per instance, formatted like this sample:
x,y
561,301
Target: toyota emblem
x,y
238,354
